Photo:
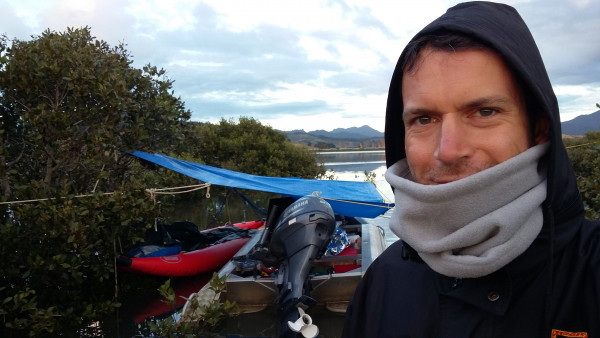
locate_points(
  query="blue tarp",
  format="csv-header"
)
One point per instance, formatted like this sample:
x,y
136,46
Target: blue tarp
x,y
357,199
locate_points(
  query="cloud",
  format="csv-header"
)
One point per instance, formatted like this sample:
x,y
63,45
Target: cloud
x,y
233,108
577,100
311,64
566,34
13,21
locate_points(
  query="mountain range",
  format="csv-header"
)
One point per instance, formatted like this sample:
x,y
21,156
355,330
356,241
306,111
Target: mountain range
x,y
364,132
356,137
582,124
366,137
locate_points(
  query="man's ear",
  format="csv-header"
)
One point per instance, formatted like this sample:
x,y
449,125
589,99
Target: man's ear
x,y
542,131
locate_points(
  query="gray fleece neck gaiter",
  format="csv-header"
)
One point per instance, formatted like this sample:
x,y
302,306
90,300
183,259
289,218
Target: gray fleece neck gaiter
x,y
474,226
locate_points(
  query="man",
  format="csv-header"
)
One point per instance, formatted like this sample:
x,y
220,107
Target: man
x,y
493,237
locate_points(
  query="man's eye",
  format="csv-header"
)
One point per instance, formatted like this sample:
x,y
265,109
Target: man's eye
x,y
485,112
423,120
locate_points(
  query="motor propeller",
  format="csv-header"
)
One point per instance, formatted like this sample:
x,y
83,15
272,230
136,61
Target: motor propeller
x,y
304,325
302,233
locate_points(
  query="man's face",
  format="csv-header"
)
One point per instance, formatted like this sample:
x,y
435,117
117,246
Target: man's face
x,y
463,113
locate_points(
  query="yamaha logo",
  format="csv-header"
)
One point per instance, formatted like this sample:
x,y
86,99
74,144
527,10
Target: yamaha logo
x,y
300,203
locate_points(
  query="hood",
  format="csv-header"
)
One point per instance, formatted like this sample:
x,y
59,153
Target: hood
x,y
504,30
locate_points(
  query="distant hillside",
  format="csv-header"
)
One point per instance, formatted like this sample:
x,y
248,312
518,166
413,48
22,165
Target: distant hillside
x,y
581,124
366,137
355,137
354,133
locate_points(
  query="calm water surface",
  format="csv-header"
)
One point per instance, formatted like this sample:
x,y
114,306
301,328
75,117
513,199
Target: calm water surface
x,y
352,165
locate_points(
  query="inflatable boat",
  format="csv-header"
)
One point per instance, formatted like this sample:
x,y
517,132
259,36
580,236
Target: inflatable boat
x,y
187,252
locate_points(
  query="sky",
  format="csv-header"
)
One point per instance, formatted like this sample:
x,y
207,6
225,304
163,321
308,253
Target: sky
x,y
302,64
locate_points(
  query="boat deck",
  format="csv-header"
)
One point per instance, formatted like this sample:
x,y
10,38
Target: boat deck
x,y
333,290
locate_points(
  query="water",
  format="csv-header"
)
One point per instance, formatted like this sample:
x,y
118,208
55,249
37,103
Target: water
x,y
352,165
352,158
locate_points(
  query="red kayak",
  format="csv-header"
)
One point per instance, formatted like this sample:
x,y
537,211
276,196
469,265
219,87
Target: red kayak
x,y
192,262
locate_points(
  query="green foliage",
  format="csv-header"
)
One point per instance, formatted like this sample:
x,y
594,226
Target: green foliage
x,y
370,176
324,145
250,147
246,146
328,175
167,292
168,328
77,106
70,108
584,153
214,312
59,256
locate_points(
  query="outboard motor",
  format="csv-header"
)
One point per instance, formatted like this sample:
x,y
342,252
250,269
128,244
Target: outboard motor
x,y
301,235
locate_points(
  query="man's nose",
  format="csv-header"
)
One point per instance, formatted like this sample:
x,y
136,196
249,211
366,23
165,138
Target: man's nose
x,y
453,142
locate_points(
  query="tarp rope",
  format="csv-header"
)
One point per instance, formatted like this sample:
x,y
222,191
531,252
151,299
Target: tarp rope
x,y
258,209
219,208
151,192
388,206
177,190
52,198
581,145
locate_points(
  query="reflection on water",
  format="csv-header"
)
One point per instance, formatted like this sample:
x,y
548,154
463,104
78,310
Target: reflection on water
x,y
225,206
149,306
265,323
352,165
341,159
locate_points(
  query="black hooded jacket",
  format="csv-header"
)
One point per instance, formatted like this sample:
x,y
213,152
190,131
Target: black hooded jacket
x,y
551,290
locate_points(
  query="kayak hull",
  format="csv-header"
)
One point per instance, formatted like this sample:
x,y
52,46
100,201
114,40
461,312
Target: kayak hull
x,y
189,263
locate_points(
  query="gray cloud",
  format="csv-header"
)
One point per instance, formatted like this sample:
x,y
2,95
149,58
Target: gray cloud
x,y
232,109
568,39
222,72
12,24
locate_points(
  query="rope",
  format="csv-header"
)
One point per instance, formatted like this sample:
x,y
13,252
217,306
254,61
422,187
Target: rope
x,y
218,212
581,145
317,193
153,192
260,210
361,203
385,197
177,190
52,198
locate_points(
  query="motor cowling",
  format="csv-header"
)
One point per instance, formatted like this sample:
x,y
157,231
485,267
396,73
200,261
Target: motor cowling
x,y
301,235
309,221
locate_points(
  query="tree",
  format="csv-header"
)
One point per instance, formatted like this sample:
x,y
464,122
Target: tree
x,y
324,145
584,153
75,105
71,107
250,147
